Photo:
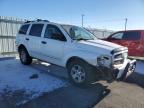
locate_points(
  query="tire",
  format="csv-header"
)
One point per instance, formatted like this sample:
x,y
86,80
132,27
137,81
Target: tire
x,y
81,78
24,57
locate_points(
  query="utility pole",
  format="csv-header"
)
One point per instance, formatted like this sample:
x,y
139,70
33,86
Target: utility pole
x,y
82,19
126,24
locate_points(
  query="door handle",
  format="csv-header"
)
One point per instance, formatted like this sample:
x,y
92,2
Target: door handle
x,y
27,39
43,42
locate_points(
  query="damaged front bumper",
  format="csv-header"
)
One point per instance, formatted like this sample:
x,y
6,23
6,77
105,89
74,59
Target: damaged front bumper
x,y
118,73
127,71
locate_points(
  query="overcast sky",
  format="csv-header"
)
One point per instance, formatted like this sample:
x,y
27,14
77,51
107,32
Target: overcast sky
x,y
103,14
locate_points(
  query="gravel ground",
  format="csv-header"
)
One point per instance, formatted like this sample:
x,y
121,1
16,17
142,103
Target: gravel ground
x,y
123,95
101,95
116,95
128,94
69,97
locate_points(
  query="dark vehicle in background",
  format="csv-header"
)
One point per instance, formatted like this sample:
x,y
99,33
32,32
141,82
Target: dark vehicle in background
x,y
133,39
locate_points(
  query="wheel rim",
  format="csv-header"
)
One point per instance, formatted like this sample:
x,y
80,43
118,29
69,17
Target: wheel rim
x,y
23,56
78,73
132,68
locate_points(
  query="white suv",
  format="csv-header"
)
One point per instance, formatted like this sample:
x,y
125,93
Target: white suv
x,y
84,56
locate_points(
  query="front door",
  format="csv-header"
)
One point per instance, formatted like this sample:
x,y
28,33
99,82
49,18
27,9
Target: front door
x,y
52,45
132,40
129,39
116,38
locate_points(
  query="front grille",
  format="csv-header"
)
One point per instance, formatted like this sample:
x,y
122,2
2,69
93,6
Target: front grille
x,y
118,56
118,59
118,62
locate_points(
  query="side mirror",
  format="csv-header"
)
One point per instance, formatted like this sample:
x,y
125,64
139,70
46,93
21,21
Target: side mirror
x,y
108,38
58,37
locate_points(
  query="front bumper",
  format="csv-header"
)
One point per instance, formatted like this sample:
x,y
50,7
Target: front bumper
x,y
120,73
128,70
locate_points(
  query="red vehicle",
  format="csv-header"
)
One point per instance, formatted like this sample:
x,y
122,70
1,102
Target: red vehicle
x,y
133,39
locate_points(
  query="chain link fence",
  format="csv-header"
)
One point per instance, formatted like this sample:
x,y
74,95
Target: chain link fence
x,y
100,33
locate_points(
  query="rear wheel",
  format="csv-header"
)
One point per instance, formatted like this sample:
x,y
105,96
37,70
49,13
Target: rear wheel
x,y
24,57
80,72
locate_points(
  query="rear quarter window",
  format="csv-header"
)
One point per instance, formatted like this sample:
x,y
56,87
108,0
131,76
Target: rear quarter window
x,y
24,28
131,35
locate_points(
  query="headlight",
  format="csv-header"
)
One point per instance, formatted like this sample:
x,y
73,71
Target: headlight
x,y
104,60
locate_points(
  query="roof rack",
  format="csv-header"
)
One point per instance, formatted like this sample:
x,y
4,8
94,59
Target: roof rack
x,y
38,20
42,20
28,21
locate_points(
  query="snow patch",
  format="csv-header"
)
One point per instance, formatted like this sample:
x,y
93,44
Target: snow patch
x,y
15,76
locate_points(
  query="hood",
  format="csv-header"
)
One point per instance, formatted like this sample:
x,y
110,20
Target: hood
x,y
100,46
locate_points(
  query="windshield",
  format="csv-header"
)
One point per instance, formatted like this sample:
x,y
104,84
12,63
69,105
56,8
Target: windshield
x,y
78,33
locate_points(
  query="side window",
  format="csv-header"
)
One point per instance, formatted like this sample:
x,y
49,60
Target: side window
x,y
131,35
36,30
117,36
24,28
53,32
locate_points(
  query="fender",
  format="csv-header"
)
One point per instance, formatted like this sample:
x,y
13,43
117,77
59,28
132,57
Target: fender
x,y
89,57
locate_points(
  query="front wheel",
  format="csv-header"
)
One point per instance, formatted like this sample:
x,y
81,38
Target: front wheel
x,y
80,73
25,57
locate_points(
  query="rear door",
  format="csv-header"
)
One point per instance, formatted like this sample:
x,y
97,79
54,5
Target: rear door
x,y
132,40
34,39
21,37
